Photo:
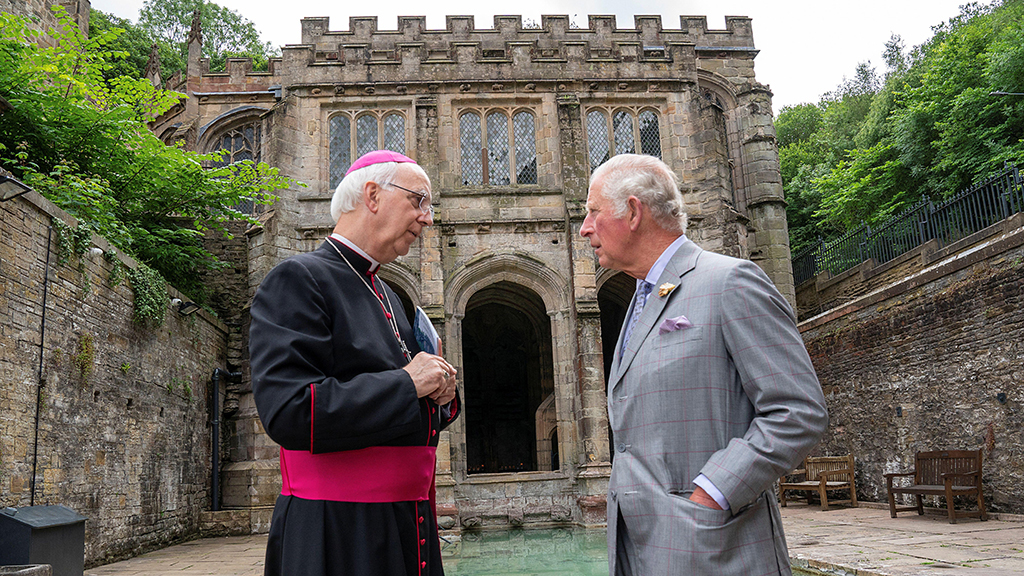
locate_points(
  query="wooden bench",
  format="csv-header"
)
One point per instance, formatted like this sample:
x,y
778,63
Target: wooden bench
x,y
948,473
823,474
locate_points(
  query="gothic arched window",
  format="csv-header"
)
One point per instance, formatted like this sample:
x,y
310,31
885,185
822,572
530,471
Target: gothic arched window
x,y
623,131
526,148
237,143
650,134
510,156
341,147
351,136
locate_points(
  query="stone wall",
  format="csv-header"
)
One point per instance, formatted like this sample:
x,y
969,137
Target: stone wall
x,y
41,13
123,424
934,360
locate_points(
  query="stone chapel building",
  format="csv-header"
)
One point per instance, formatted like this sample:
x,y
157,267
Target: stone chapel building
x,y
508,122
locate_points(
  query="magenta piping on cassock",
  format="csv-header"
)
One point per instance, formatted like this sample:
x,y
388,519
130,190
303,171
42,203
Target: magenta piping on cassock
x,y
376,474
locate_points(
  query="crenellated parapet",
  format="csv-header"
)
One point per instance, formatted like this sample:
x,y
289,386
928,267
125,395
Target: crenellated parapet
x,y
238,76
601,29
556,49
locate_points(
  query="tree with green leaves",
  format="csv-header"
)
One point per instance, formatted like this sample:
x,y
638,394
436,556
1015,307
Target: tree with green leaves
x,y
931,127
81,140
226,33
135,44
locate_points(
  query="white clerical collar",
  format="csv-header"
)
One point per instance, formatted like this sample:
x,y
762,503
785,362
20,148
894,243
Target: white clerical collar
x,y
662,262
374,265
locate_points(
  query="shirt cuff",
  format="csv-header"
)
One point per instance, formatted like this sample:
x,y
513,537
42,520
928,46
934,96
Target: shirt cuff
x,y
716,495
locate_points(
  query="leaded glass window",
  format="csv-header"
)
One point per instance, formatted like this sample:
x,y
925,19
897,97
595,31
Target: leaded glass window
x,y
237,144
341,144
510,156
394,133
366,135
351,138
470,135
497,149
627,132
650,135
622,124
597,138
526,148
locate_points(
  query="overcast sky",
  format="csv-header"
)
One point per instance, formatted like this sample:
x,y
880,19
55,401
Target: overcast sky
x,y
806,47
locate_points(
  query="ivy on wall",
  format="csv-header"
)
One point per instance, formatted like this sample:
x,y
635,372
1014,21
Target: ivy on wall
x,y
151,298
148,286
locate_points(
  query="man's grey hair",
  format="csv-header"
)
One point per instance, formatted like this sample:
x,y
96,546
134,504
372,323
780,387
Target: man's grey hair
x,y
349,192
647,178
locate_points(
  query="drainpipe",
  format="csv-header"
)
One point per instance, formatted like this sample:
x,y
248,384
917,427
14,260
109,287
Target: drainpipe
x,y
233,377
40,381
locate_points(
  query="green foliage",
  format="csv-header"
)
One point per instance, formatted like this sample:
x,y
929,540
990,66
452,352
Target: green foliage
x,y
71,241
85,356
929,127
134,44
80,138
226,33
177,382
117,268
150,289
798,124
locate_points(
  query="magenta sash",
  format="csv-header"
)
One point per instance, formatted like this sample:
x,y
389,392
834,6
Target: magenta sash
x,y
377,474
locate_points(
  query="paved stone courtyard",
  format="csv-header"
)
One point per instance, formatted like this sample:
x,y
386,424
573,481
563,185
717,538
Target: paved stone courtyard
x,y
861,541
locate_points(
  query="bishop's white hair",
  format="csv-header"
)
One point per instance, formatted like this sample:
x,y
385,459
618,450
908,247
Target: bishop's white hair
x,y
349,192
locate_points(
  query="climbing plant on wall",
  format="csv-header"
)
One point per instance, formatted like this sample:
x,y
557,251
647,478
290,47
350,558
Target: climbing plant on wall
x,y
81,140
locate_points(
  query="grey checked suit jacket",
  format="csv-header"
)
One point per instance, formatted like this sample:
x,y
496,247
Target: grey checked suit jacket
x,y
734,397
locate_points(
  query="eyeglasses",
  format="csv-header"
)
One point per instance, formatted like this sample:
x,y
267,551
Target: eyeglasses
x,y
424,198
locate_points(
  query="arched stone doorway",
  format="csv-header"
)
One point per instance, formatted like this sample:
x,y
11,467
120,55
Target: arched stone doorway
x,y
507,373
613,297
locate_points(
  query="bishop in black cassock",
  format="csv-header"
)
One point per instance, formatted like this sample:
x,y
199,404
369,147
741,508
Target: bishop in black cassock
x,y
342,386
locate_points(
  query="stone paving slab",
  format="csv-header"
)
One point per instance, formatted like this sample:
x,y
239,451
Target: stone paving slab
x,y
861,541
225,556
865,541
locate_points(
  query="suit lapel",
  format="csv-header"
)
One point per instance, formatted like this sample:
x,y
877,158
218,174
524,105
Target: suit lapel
x,y
681,262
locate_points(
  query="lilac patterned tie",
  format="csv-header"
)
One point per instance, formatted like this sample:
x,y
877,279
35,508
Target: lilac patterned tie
x,y
641,298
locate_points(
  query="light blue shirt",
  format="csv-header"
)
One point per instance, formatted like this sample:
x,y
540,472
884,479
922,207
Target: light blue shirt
x,y
652,278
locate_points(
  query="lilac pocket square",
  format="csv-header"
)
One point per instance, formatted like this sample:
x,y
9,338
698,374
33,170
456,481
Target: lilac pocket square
x,y
673,324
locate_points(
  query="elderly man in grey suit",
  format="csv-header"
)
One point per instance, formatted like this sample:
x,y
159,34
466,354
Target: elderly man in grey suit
x,y
711,398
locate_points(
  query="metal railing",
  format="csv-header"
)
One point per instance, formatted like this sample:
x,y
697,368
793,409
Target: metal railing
x,y
969,211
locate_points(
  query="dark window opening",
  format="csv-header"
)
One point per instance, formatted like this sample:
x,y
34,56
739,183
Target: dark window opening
x,y
613,300
508,372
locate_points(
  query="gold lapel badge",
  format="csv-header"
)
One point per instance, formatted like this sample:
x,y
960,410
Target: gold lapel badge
x,y
666,289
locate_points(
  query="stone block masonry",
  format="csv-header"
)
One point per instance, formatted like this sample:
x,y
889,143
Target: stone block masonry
x,y
932,361
42,15
122,434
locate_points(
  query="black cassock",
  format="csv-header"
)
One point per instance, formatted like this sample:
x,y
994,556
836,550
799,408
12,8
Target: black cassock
x,y
328,383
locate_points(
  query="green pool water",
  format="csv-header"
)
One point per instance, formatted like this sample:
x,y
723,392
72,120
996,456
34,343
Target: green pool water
x,y
563,551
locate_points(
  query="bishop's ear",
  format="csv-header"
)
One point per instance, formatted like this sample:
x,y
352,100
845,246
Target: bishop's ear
x,y
371,196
